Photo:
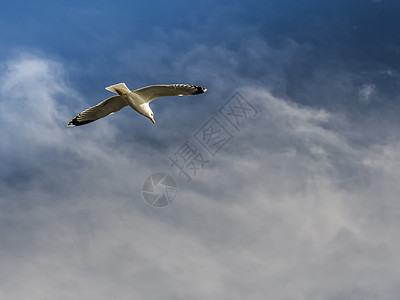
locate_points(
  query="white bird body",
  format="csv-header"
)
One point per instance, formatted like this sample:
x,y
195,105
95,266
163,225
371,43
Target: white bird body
x,y
137,103
138,99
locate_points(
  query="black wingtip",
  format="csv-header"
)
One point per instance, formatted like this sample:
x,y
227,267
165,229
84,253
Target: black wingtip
x,y
74,122
200,90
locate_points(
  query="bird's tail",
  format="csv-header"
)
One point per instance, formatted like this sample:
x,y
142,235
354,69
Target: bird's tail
x,y
120,89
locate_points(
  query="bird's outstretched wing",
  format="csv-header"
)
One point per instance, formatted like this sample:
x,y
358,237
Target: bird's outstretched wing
x,y
149,93
101,110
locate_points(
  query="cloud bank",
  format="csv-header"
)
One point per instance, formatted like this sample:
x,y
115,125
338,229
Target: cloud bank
x,y
295,207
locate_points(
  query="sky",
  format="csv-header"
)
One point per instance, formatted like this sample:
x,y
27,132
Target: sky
x,y
300,201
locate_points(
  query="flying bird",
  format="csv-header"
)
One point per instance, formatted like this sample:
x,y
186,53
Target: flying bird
x,y
138,99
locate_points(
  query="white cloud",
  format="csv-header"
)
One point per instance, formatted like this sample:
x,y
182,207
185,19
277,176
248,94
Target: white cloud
x,y
366,92
291,208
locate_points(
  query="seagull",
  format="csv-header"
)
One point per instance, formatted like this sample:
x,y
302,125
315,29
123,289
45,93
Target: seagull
x,y
138,99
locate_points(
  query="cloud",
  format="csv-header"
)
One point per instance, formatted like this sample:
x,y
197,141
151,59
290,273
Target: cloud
x,y
292,207
366,92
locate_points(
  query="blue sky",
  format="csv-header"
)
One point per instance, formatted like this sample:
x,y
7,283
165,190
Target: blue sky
x,y
302,203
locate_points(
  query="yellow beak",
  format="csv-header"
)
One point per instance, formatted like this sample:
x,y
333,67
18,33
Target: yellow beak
x,y
152,119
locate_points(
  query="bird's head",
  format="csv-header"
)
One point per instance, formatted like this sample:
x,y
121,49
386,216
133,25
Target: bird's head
x,y
151,117
146,111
